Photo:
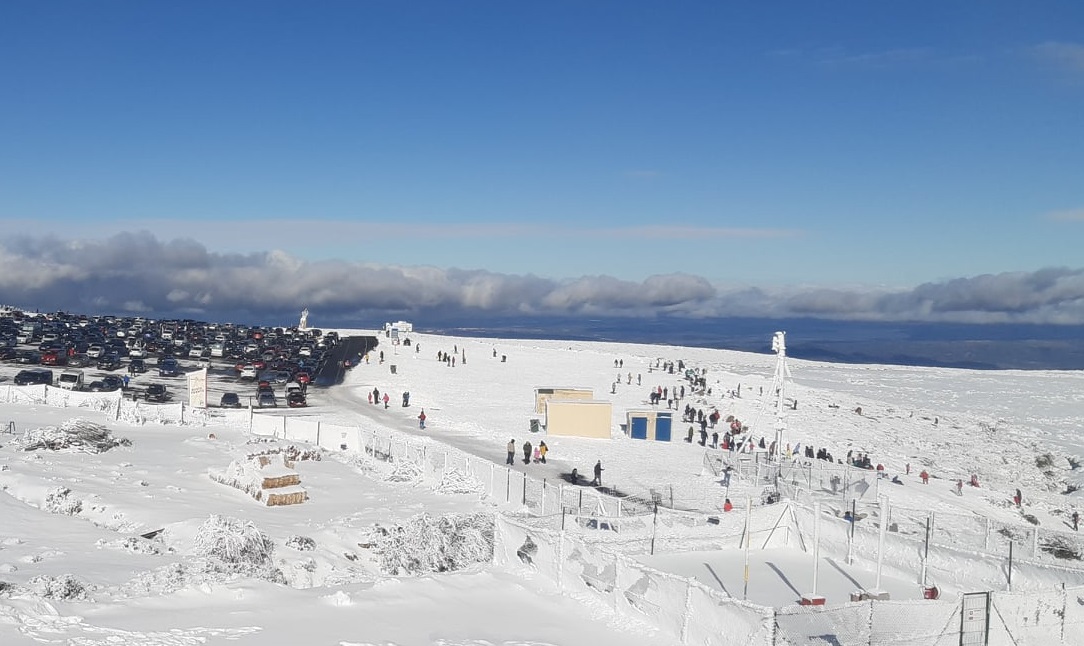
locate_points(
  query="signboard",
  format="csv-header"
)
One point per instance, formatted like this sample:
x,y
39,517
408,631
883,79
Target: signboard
x,y
197,389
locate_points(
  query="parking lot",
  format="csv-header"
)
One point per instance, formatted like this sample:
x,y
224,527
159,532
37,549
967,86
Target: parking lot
x,y
151,359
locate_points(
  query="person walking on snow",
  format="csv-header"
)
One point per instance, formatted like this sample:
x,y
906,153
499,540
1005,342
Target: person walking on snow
x,y
421,420
598,474
386,400
527,452
542,451
511,452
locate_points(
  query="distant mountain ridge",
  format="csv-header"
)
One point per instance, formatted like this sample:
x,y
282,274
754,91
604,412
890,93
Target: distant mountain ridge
x,y
948,345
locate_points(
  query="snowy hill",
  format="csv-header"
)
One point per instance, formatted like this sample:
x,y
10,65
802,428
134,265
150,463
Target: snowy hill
x,y
360,560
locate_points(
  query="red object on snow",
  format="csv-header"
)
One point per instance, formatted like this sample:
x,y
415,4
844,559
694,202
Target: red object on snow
x,y
931,592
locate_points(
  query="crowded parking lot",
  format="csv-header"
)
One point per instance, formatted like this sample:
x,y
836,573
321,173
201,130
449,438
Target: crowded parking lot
x,y
265,368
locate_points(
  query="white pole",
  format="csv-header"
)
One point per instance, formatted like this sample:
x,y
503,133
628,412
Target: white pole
x,y
881,541
748,542
816,542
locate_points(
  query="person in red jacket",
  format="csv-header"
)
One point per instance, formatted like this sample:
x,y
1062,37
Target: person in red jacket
x,y
727,506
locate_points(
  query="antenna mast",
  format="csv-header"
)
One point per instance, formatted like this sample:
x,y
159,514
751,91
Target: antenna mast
x,y
779,386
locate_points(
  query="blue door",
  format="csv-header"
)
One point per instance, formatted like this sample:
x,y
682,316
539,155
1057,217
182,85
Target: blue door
x,y
639,428
662,427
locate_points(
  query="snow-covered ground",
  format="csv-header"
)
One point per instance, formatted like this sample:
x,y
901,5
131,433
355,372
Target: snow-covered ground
x,y
73,569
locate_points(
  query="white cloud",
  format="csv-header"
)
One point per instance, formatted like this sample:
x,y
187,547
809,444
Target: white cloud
x,y
138,272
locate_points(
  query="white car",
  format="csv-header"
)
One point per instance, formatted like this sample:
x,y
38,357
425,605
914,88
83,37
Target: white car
x,y
95,351
248,372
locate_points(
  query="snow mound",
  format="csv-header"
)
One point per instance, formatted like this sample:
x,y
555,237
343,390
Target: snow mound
x,y
73,435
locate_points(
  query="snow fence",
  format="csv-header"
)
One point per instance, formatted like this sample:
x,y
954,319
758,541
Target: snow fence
x,y
696,614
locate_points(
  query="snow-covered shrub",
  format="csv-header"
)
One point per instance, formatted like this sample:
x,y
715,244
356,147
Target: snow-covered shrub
x,y
74,434
61,501
65,587
442,544
301,543
455,481
233,541
405,472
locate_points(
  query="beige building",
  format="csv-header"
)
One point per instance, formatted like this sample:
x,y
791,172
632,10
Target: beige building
x,y
579,417
542,395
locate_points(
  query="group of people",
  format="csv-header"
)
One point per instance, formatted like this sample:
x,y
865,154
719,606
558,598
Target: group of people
x,y
536,454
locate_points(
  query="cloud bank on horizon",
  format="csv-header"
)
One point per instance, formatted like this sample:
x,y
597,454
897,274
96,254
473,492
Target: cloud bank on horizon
x,y
137,274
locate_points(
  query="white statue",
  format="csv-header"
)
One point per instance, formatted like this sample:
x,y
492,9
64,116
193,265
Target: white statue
x,y
304,319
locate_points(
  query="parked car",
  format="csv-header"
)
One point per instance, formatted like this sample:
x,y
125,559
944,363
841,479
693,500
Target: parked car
x,y
71,380
168,367
248,372
156,393
266,399
230,400
296,399
32,377
27,357
53,358
137,366
108,362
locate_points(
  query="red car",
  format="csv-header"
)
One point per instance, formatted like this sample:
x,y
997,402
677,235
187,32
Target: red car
x,y
53,358
302,378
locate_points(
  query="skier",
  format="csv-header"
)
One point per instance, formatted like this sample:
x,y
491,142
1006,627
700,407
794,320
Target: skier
x,y
421,420
511,452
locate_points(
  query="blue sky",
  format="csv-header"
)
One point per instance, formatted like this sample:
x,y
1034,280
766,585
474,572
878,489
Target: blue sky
x,y
782,146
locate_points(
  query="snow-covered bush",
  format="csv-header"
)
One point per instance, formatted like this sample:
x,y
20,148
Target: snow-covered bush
x,y
74,434
442,544
405,471
455,481
233,541
65,587
61,501
301,543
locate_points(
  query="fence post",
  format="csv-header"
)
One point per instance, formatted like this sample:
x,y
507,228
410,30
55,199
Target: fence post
x,y
542,505
492,475
986,537
508,485
1035,542
524,488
